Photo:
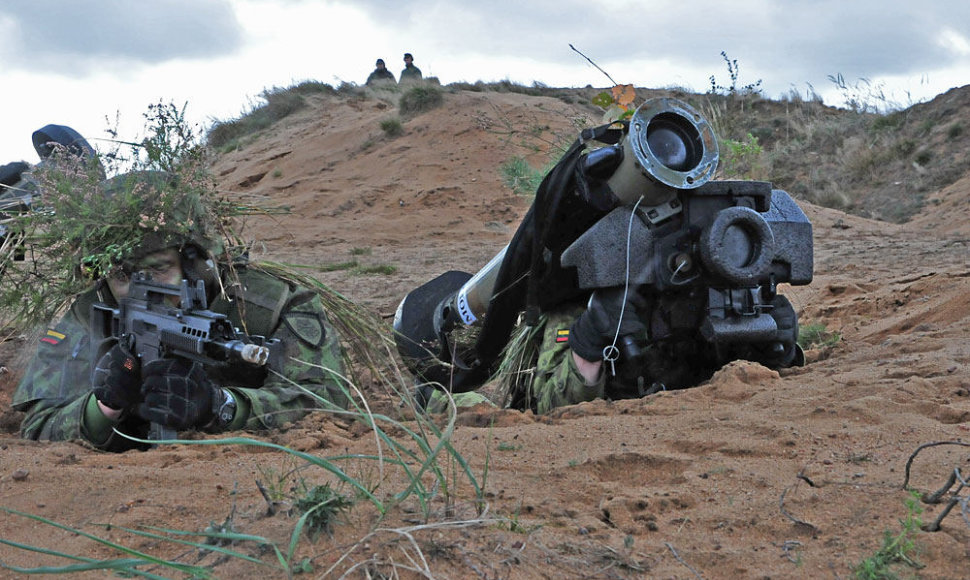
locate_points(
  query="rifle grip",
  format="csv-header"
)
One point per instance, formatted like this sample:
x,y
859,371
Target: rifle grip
x,y
158,432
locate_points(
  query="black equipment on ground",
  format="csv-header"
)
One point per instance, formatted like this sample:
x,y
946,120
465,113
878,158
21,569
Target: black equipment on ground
x,y
639,212
17,186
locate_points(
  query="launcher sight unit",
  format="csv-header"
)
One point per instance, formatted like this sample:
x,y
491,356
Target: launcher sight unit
x,y
639,212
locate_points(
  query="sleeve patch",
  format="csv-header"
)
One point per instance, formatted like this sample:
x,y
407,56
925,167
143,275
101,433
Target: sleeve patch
x,y
562,335
307,326
52,337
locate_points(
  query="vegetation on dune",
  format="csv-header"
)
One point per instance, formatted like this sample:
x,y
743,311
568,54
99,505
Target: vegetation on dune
x,y
872,157
277,104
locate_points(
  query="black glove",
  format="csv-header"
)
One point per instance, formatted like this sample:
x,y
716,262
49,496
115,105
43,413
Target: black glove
x,y
177,394
117,378
596,328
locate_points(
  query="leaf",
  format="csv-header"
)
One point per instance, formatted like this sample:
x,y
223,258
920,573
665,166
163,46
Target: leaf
x,y
624,95
603,100
615,113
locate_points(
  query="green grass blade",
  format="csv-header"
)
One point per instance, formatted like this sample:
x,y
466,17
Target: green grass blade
x,y
202,545
185,568
124,565
312,459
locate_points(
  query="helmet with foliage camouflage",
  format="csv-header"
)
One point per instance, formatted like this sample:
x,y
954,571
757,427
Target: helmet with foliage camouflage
x,y
81,227
159,210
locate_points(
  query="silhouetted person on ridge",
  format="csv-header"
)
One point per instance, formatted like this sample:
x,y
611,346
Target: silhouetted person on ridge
x,y
410,72
381,74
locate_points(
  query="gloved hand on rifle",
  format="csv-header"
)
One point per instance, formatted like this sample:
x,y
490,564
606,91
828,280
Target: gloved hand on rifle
x,y
117,378
607,318
177,394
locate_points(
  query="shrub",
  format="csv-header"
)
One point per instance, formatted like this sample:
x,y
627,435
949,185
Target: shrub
x,y
420,99
521,177
279,104
816,335
742,159
392,127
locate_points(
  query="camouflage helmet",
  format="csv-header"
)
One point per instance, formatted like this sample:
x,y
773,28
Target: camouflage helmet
x,y
164,211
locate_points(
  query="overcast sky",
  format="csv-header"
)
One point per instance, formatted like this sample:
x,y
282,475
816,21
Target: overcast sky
x,y
80,62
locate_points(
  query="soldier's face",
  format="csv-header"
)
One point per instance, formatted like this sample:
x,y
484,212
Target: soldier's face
x,y
164,266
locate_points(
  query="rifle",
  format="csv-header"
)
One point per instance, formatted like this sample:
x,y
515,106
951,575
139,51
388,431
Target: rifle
x,y
157,329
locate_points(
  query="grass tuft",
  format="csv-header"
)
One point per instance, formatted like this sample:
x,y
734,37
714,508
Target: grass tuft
x,y
278,103
420,99
816,335
520,177
896,549
392,127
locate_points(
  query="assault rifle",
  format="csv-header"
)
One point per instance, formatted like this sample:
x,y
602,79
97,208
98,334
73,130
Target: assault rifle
x,y
157,329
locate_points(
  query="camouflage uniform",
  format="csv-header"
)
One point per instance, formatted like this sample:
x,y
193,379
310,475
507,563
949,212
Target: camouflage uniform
x,y
670,361
557,381
381,75
410,73
56,389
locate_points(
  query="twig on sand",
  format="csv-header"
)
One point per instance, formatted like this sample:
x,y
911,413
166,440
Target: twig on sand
x,y
937,496
909,462
781,506
681,560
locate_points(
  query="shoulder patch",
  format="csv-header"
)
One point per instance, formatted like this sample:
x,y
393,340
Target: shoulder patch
x,y
307,326
52,337
562,335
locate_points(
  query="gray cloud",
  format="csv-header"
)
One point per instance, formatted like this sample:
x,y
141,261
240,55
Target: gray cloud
x,y
790,41
71,36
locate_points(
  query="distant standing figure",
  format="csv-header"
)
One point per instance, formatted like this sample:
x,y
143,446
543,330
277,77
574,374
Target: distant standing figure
x,y
410,72
381,74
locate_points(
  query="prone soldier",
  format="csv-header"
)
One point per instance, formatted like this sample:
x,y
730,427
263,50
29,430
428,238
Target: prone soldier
x,y
71,392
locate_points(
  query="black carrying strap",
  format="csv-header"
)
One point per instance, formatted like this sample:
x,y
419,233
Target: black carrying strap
x,y
517,285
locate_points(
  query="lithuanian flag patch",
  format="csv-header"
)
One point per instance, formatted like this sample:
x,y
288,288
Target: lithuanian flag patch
x,y
53,337
562,335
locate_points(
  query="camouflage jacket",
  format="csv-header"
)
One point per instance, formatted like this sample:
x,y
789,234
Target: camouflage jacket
x,y
557,381
55,392
381,75
410,73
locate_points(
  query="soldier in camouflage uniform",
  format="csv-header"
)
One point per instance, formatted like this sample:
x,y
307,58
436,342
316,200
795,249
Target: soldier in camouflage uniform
x,y
579,354
380,74
69,392
570,365
410,72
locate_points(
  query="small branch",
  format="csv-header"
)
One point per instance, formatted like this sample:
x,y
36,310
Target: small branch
x,y
956,499
679,559
270,504
594,64
937,496
787,548
801,475
781,506
935,525
909,462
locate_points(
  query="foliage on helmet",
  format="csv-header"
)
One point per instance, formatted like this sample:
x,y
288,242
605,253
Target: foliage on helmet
x,y
82,227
